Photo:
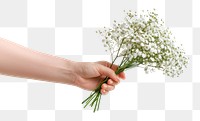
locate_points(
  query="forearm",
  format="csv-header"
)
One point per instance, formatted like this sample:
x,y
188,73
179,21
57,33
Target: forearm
x,y
20,61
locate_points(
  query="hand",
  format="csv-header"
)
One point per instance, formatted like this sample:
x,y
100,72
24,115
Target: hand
x,y
27,63
90,74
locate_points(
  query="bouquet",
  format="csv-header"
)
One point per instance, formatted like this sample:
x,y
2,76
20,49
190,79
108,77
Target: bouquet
x,y
140,40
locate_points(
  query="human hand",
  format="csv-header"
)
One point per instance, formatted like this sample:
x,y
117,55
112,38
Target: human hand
x,y
90,74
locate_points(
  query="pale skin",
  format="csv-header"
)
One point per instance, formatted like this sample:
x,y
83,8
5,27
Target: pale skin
x,y
19,61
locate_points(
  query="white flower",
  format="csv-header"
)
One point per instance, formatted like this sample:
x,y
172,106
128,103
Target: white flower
x,y
146,48
137,51
143,55
134,55
137,40
162,46
159,56
153,64
146,40
142,40
158,50
156,34
152,50
142,24
129,46
152,59
152,38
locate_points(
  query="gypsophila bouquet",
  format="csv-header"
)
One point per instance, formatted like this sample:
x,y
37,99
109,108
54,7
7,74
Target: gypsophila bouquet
x,y
140,41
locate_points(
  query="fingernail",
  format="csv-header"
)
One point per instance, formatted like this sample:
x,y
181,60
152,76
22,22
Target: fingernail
x,y
111,82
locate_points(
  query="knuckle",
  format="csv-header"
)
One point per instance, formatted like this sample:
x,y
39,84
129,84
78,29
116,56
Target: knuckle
x,y
104,85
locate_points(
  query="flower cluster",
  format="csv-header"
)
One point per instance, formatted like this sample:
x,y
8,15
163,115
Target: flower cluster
x,y
145,41
140,41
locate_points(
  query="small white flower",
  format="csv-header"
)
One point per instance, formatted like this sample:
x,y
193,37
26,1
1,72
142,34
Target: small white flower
x,y
137,40
152,39
152,50
156,34
142,24
152,59
159,56
129,46
135,55
162,46
145,37
143,55
137,51
154,64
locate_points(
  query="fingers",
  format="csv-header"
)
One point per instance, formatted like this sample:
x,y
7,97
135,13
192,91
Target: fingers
x,y
108,64
114,68
104,92
108,72
110,82
105,70
105,88
122,75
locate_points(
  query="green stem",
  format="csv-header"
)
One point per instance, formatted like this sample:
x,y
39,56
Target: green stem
x,y
122,61
99,86
88,97
96,95
120,70
96,102
117,53
99,102
89,101
91,98
95,99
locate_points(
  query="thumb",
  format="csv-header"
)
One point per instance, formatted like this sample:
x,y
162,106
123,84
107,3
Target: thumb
x,y
106,71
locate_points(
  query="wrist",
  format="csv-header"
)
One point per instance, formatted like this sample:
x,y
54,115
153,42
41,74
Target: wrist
x,y
67,74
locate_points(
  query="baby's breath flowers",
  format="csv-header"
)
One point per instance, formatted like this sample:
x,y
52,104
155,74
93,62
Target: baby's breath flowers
x,y
141,40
